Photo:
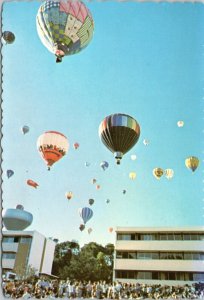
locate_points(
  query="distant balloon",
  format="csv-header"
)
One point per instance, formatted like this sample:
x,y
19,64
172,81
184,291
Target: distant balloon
x,y
82,227
119,133
64,27
69,195
124,191
8,37
86,214
169,173
25,129
132,175
32,183
52,146
19,206
98,187
133,157
107,201
76,146
180,123
90,230
104,165
158,172
192,163
110,229
91,201
87,164
146,142
9,173
93,181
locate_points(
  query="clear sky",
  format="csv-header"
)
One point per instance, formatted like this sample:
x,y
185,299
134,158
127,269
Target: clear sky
x,y
145,60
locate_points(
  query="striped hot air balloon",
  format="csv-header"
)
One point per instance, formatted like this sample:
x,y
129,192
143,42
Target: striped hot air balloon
x,y
86,214
65,27
52,146
192,163
119,133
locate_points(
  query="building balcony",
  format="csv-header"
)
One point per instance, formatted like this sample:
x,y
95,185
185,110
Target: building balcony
x,y
8,263
9,247
159,265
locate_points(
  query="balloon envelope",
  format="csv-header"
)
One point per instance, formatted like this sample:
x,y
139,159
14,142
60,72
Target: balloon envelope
x,y
132,175
81,227
146,142
87,164
76,146
9,173
32,183
69,195
91,201
124,191
110,229
8,37
65,27
98,187
86,214
107,201
158,172
16,219
180,123
90,230
52,146
104,165
192,163
133,157
169,173
119,133
25,129
93,180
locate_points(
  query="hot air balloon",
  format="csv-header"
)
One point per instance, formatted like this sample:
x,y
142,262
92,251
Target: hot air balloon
x,y
107,201
9,173
25,129
124,191
69,195
93,180
180,123
85,213
132,175
90,230
76,146
91,201
65,27
169,173
52,146
87,164
98,187
146,142
133,157
104,165
110,229
192,163
119,133
158,172
8,37
81,227
32,183
16,219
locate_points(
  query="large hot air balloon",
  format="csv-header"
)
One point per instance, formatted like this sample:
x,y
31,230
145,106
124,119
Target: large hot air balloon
x,y
119,133
9,173
76,146
104,165
169,173
91,201
158,172
52,146
192,163
85,213
16,218
25,129
8,37
132,175
65,27
69,195
32,183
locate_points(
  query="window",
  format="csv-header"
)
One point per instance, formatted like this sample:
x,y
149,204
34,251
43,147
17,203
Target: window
x,y
147,237
163,255
177,236
25,240
155,275
163,237
9,255
144,275
132,255
118,254
198,276
8,239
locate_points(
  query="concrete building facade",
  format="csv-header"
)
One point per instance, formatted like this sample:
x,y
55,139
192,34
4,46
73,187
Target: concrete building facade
x,y
22,250
159,255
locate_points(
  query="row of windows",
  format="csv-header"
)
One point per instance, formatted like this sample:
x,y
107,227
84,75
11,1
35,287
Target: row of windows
x,y
17,239
185,276
160,255
9,255
160,236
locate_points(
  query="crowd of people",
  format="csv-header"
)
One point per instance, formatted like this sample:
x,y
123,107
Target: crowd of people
x,y
67,289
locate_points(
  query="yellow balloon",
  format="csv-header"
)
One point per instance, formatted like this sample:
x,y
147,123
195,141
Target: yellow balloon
x,y
192,163
158,172
132,175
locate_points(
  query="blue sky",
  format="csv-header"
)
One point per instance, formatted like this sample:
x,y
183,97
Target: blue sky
x,y
145,60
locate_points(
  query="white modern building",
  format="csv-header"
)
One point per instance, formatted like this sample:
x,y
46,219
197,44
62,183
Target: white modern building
x,y
162,255
24,250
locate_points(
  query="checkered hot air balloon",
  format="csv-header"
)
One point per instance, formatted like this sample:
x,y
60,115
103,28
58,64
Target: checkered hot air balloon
x,y
119,133
65,27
